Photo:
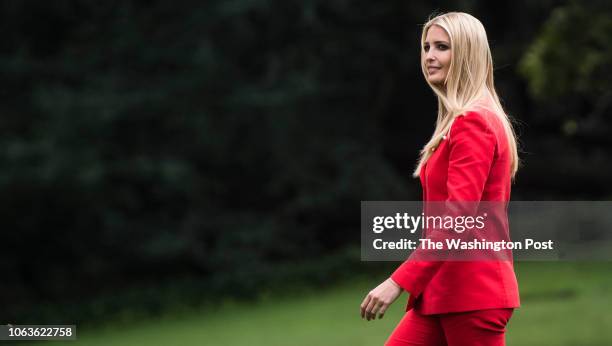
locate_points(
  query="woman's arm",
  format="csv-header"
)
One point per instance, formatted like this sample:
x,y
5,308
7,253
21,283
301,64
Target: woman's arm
x,y
472,147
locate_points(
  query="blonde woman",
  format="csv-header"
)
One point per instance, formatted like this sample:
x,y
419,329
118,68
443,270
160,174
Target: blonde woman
x,y
472,156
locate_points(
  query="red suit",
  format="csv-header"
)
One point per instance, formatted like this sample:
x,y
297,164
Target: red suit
x,y
472,163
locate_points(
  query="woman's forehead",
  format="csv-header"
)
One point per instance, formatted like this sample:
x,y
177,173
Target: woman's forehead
x,y
436,33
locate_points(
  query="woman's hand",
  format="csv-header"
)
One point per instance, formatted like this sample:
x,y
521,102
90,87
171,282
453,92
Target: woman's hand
x,y
379,299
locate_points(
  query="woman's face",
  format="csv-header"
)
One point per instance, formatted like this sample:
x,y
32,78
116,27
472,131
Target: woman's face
x,y
436,54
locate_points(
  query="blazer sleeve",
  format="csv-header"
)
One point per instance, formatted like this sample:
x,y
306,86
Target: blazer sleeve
x,y
472,147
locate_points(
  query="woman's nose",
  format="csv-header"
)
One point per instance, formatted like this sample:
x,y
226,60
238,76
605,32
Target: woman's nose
x,y
430,55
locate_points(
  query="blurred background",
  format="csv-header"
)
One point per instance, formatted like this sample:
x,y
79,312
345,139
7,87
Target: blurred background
x,y
191,172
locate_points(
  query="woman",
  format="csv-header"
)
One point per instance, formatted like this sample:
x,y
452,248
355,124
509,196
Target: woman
x,y
472,156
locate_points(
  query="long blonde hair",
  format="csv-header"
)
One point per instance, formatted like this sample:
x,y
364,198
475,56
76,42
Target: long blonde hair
x,y
469,79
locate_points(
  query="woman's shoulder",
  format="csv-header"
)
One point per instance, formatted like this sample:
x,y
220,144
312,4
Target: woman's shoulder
x,y
474,121
480,116
480,112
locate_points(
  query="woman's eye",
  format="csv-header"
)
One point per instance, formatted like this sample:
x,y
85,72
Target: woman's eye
x,y
440,47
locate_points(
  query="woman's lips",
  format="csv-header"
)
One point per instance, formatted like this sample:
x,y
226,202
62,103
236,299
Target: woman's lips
x,y
432,69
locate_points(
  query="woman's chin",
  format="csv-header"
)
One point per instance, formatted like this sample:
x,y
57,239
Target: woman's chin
x,y
435,81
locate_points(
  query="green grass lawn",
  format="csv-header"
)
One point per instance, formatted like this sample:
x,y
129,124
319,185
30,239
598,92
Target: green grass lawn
x,y
562,304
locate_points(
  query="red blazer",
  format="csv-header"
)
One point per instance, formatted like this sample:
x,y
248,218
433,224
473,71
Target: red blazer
x,y
471,164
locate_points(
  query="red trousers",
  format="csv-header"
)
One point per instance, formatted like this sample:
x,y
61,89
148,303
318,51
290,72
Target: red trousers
x,y
470,328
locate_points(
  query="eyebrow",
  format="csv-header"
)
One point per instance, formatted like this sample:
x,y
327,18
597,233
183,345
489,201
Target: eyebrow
x,y
435,42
